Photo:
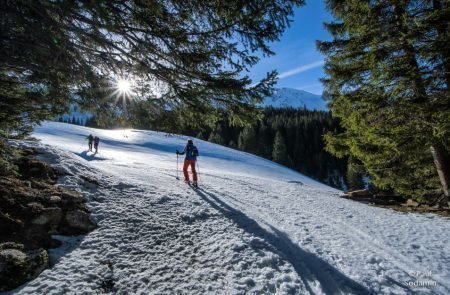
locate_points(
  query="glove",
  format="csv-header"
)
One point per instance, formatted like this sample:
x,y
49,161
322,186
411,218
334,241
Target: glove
x,y
178,152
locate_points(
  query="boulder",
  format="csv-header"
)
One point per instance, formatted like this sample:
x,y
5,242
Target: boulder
x,y
364,193
412,203
11,245
28,152
90,180
32,168
32,208
35,236
9,224
50,216
54,200
17,266
80,220
35,207
71,198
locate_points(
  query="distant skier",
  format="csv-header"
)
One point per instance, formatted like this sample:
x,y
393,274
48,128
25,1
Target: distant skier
x,y
191,152
90,139
96,142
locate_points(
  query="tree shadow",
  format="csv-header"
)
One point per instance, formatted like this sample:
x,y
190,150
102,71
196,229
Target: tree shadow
x,y
308,266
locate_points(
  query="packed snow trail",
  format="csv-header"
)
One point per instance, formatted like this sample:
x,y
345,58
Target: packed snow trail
x,y
253,227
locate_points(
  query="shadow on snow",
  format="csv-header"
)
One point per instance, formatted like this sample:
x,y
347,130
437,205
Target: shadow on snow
x,y
90,157
308,266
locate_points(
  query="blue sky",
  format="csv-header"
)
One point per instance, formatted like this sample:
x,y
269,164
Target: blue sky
x,y
296,58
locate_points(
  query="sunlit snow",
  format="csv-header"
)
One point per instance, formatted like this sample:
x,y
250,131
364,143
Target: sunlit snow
x,y
253,227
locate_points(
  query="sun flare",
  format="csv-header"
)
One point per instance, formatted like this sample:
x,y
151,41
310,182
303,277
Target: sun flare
x,y
124,86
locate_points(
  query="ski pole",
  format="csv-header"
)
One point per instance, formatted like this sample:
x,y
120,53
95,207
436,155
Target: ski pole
x,y
198,168
177,167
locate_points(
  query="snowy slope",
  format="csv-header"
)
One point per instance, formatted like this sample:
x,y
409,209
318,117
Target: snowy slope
x,y
254,227
288,97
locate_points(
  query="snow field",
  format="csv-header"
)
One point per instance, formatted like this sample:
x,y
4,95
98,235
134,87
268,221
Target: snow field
x,y
253,227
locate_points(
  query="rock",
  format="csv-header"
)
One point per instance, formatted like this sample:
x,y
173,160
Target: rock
x,y
11,245
412,203
28,151
90,180
35,236
9,224
39,184
35,206
71,198
32,208
48,216
32,168
360,194
80,220
63,171
54,200
17,266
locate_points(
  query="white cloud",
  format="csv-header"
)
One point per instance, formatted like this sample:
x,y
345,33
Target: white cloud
x,y
301,69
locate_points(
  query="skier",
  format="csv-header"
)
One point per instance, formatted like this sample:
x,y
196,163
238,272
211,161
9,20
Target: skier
x,y
191,152
96,141
90,139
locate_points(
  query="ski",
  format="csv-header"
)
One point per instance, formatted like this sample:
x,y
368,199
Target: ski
x,y
195,186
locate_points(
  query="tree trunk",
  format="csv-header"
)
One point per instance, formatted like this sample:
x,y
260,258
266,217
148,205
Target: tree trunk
x,y
440,155
441,161
442,29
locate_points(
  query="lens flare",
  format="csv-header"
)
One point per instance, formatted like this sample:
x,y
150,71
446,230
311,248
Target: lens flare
x,y
124,86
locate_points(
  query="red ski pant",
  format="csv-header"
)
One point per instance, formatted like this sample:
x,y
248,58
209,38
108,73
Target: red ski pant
x,y
188,163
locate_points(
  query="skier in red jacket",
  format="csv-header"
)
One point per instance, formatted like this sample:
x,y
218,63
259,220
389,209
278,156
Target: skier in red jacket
x,y
191,152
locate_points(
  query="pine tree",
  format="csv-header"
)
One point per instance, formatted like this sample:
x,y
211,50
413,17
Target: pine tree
x,y
355,173
200,135
387,81
67,48
194,53
248,141
216,138
279,153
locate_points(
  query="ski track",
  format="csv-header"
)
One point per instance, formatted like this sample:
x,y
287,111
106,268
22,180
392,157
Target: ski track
x,y
347,231
243,232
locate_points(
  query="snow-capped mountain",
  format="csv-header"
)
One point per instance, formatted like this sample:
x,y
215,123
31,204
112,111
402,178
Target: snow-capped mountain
x,y
253,227
289,97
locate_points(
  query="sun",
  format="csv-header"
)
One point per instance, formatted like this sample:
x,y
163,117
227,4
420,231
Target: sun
x,y
123,89
124,86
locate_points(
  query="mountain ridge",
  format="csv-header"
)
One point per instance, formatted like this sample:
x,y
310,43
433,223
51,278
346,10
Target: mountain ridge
x,y
290,97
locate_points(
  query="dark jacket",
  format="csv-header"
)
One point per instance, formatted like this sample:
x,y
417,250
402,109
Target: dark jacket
x,y
191,152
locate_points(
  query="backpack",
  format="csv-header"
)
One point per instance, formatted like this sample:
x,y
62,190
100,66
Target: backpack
x,y
194,152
